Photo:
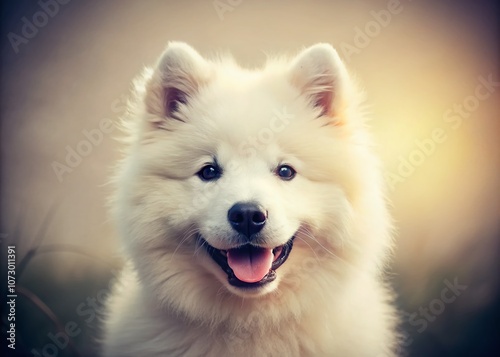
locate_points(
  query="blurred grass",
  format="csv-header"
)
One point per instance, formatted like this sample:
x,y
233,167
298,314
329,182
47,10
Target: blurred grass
x,y
53,281
463,329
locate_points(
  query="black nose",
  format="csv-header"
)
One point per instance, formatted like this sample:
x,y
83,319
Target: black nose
x,y
247,218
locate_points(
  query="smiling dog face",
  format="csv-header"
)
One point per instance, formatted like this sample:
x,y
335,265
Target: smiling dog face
x,y
233,178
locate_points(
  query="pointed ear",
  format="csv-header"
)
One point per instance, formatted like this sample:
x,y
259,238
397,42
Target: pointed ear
x,y
178,75
320,75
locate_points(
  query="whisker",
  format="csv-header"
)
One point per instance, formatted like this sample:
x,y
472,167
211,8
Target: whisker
x,y
309,234
192,230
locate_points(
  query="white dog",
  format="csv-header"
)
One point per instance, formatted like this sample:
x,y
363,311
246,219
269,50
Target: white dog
x,y
251,210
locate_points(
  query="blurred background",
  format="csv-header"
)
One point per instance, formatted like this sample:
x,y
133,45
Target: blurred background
x,y
431,73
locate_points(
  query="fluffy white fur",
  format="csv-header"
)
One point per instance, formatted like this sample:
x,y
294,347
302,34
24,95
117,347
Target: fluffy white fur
x,y
329,298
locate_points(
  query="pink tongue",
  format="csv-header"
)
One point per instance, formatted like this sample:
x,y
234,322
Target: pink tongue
x,y
250,264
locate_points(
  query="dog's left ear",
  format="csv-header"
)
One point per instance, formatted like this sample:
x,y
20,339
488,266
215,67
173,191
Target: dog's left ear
x,y
177,78
319,74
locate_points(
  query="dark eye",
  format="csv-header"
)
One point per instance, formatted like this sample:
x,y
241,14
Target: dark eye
x,y
285,172
209,172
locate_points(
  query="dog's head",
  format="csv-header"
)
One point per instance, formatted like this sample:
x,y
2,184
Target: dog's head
x,y
244,181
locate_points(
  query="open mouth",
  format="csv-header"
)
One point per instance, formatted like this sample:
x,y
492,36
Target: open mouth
x,y
249,266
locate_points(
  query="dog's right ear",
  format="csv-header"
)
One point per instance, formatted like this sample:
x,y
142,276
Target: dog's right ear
x,y
321,76
177,77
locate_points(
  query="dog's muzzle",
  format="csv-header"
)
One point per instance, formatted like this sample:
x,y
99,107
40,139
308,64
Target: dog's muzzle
x,y
248,265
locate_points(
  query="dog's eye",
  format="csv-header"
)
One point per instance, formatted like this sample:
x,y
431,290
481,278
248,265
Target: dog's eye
x,y
209,173
285,172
